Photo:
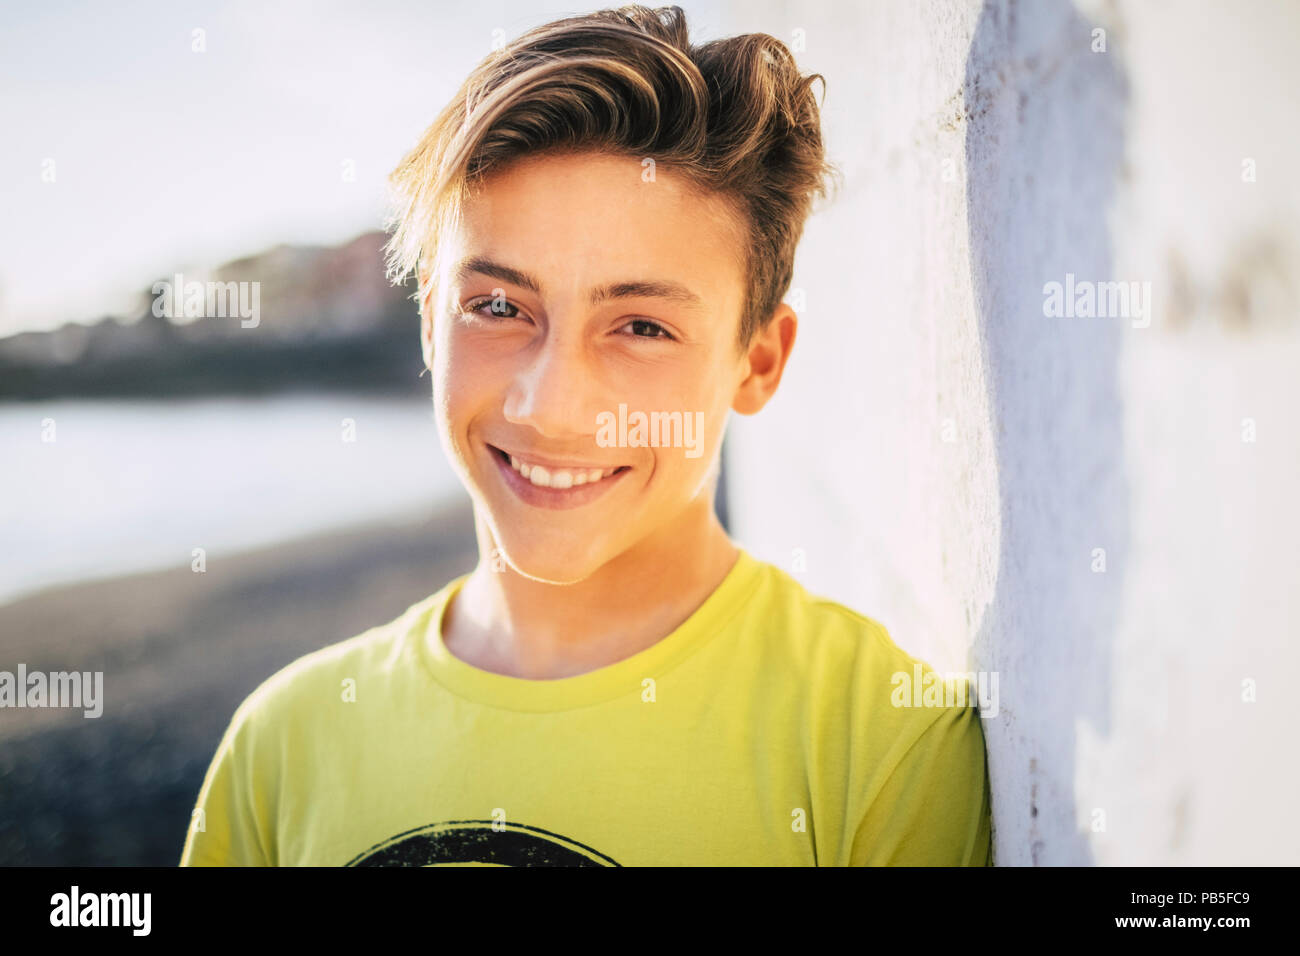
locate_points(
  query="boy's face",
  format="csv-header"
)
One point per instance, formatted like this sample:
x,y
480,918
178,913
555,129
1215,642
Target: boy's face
x,y
571,288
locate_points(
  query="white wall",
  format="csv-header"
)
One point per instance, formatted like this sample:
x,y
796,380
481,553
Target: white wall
x,y
1119,691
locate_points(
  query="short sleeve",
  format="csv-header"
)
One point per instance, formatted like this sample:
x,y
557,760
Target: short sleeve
x,y
229,824
934,809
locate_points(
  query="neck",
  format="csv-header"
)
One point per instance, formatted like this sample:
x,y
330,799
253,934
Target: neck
x,y
503,622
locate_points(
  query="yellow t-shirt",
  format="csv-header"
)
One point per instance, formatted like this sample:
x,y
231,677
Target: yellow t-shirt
x,y
761,732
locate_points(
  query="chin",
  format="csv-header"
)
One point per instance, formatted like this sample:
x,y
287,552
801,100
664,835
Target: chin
x,y
552,563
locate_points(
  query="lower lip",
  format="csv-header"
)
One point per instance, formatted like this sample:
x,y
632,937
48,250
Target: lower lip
x,y
554,498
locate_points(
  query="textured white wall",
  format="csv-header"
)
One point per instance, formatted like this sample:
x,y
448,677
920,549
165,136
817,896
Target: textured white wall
x,y
947,458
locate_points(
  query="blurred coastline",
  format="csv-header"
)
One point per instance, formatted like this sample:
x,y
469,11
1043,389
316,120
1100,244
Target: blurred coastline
x,y
179,652
103,488
325,318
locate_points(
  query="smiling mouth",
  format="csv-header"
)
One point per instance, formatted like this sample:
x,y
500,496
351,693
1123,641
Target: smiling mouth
x,y
543,476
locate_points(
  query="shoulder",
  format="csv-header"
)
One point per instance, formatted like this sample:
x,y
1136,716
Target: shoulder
x,y
904,741
813,628
299,691
857,678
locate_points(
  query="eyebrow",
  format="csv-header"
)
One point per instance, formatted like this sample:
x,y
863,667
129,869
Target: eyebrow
x,y
633,288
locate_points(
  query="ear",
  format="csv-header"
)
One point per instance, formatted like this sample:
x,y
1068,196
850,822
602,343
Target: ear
x,y
426,313
766,356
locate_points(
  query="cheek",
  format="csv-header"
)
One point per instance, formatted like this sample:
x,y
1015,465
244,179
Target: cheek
x,y
677,386
685,465
698,393
461,380
443,390
456,398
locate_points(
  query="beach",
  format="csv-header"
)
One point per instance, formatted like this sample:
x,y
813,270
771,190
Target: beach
x,y
179,651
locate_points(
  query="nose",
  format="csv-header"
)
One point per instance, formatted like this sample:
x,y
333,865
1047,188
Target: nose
x,y
551,393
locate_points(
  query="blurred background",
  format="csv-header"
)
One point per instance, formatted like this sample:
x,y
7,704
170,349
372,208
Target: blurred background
x,y
1101,511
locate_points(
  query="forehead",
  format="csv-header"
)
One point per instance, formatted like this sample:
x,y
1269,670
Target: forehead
x,y
577,221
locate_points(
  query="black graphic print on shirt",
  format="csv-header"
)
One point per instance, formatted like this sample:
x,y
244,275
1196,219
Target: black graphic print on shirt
x,y
476,841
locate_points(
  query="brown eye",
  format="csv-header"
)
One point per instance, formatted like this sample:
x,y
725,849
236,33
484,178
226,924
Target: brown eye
x,y
645,329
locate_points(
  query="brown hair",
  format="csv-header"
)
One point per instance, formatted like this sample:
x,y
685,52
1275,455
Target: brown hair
x,y
734,116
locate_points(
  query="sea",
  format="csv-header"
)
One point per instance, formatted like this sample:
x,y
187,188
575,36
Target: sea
x,y
96,489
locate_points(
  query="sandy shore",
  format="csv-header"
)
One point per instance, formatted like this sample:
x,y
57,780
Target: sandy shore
x,y
179,651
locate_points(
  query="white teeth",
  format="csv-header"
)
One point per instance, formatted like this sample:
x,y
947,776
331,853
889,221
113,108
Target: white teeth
x,y
545,478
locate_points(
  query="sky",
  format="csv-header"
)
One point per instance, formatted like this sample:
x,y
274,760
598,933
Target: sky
x,y
163,157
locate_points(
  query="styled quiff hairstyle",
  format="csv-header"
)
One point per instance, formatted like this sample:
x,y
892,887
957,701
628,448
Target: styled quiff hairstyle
x,y
733,116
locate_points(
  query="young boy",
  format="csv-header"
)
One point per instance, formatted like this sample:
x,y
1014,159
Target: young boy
x,y
603,222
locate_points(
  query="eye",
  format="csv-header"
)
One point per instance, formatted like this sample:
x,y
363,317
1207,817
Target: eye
x,y
497,308
646,329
